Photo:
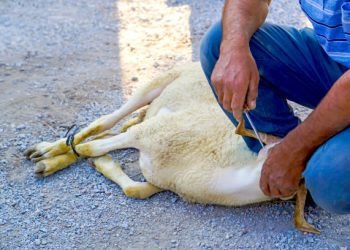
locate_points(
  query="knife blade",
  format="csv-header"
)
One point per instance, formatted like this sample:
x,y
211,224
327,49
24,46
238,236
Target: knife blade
x,y
254,128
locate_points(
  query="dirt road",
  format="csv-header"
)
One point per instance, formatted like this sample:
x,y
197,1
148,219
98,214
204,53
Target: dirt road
x,y
68,62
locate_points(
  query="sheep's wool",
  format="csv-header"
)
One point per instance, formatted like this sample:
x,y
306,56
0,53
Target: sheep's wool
x,y
188,145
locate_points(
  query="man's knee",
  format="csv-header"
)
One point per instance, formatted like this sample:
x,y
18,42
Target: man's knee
x,y
327,175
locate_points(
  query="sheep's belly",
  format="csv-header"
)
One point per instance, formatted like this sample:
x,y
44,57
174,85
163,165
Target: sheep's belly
x,y
230,186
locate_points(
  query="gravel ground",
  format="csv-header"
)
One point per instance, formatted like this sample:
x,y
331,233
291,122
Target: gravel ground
x,y
65,62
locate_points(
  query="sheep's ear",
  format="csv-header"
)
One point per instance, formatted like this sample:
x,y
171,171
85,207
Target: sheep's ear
x,y
266,138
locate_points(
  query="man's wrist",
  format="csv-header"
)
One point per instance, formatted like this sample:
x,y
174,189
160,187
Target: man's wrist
x,y
297,143
234,44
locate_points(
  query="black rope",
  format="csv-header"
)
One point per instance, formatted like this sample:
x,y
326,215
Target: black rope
x,y
70,138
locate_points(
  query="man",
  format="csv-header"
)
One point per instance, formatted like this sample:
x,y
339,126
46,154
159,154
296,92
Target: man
x,y
256,65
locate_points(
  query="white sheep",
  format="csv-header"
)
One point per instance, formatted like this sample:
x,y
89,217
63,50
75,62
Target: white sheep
x,y
186,144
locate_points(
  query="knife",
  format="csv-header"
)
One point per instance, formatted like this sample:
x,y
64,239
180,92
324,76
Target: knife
x,y
253,127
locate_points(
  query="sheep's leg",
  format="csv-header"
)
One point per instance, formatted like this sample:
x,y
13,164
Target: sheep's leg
x,y
142,97
103,146
266,138
112,170
97,146
140,117
51,165
299,216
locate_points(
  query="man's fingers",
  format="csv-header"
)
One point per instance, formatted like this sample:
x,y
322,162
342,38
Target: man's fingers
x,y
252,91
218,90
239,97
288,191
274,191
227,99
264,186
220,95
217,82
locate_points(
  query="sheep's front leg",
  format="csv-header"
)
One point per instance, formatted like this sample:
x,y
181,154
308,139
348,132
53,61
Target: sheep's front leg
x,y
51,165
112,170
46,150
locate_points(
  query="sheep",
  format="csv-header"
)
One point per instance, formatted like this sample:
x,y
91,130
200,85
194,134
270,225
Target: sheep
x,y
186,144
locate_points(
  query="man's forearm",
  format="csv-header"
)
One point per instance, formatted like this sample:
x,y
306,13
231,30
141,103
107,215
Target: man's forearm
x,y
240,20
330,117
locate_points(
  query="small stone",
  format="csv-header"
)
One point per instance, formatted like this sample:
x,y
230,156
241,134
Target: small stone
x,y
174,200
124,225
37,242
345,222
22,136
134,79
311,240
243,232
3,162
173,241
20,127
310,220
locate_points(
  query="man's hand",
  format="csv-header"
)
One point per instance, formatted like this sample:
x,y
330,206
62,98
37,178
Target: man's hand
x,y
281,172
235,78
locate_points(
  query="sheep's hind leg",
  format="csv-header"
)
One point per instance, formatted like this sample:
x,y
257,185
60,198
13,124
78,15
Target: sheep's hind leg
x,y
143,96
299,217
132,122
112,170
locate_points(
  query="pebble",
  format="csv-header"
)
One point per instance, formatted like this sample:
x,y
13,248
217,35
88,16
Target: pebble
x,y
37,242
3,162
243,232
20,127
310,220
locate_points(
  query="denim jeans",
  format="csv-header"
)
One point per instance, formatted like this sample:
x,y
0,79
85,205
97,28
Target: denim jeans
x,y
293,66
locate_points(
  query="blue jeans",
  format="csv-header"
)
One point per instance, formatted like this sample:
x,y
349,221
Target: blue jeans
x,y
293,66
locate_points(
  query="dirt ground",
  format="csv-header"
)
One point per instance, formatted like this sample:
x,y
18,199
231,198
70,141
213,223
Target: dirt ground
x,y
68,62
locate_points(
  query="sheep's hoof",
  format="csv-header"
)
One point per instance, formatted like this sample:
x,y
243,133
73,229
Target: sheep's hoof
x,y
46,150
140,190
306,227
133,192
51,165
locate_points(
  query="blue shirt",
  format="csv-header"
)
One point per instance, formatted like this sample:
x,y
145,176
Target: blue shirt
x,y
331,22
